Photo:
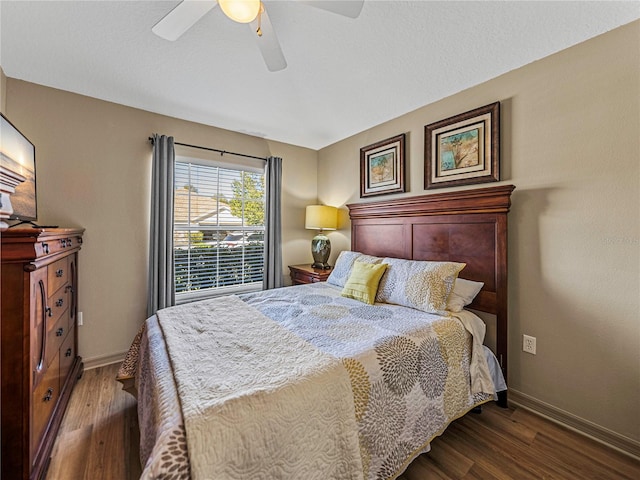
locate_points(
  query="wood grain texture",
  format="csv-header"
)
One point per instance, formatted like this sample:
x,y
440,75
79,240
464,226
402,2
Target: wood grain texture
x,y
99,440
303,274
517,444
37,296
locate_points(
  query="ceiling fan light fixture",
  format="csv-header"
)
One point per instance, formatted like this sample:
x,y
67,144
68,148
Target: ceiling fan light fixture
x,y
241,11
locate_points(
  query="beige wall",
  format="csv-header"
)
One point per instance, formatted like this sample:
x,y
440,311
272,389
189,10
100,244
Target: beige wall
x,y
571,145
94,165
3,91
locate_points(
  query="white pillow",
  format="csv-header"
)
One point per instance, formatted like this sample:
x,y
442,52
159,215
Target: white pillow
x,y
463,293
344,263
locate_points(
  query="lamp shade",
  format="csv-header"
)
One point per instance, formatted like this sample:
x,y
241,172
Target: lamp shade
x,y
321,217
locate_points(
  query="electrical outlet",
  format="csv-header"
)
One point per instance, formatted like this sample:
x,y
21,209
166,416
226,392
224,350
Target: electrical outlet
x,y
80,320
529,344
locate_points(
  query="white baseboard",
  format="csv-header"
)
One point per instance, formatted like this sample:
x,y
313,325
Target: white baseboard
x,y
623,444
103,360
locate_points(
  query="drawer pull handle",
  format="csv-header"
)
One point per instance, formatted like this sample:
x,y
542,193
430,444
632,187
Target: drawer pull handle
x,y
63,242
59,302
49,311
59,272
68,352
69,288
45,247
48,395
79,239
59,332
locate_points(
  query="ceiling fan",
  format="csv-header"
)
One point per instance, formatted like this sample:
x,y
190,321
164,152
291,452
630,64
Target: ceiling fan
x,y
253,12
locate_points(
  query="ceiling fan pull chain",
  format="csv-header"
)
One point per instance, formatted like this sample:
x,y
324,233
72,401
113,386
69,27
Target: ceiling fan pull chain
x,y
259,30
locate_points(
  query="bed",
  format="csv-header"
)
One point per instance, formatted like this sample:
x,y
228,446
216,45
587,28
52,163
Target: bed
x,y
303,382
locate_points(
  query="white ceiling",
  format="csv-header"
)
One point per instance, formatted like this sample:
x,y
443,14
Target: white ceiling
x,y
343,76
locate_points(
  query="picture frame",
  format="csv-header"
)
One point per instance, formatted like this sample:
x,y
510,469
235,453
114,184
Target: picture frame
x,y
463,149
382,167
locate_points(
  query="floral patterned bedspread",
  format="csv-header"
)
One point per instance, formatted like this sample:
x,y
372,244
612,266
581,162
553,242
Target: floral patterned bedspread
x,y
409,372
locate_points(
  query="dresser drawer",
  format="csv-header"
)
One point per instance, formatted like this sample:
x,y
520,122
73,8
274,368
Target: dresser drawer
x,y
44,400
67,355
57,274
58,303
56,334
51,246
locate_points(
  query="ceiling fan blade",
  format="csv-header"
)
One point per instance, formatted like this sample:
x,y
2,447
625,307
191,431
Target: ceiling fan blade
x,y
182,18
268,42
348,8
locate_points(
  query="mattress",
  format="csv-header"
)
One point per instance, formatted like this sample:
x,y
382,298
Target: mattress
x,y
409,375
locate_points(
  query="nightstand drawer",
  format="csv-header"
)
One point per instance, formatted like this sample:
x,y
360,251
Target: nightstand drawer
x,y
299,277
303,274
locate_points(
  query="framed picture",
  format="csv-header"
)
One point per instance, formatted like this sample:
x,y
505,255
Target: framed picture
x,y
464,149
382,167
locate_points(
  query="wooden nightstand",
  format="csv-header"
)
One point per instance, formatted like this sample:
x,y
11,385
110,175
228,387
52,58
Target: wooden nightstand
x,y
301,274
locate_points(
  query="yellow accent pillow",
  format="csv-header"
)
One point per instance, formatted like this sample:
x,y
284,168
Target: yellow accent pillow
x,y
363,281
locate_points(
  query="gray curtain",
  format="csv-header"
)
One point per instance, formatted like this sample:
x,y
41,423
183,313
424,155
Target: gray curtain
x,y
273,226
161,291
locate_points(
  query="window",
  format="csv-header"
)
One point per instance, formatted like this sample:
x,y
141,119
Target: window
x,y
218,229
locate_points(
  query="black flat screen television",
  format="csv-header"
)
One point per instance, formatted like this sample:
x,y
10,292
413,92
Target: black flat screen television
x,y
18,154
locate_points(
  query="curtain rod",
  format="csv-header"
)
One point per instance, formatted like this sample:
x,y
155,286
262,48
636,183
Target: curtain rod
x,y
221,152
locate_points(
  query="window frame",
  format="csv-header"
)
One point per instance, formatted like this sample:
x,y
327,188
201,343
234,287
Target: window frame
x,y
245,166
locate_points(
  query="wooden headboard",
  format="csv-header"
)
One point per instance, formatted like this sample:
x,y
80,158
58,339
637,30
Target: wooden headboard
x,y
468,226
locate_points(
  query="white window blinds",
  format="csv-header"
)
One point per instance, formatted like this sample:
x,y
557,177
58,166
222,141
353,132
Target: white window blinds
x,y
218,228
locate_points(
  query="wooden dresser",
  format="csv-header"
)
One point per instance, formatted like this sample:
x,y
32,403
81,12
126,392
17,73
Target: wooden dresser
x,y
38,343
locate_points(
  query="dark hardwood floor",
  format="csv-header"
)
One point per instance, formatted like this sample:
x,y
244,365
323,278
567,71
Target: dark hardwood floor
x,y
98,440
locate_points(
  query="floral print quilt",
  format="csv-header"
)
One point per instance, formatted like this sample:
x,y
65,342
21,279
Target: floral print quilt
x,y
410,375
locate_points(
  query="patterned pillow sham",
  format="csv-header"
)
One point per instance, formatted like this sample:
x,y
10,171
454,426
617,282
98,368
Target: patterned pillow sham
x,y
344,263
418,284
463,293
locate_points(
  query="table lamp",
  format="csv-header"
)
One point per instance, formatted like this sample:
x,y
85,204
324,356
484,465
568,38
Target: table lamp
x,y
321,217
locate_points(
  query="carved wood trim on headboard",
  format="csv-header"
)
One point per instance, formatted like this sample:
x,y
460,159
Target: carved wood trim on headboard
x,y
468,226
481,200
